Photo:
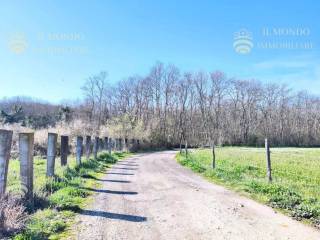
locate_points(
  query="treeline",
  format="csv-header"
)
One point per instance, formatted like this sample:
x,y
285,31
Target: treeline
x,y
32,113
170,107
201,108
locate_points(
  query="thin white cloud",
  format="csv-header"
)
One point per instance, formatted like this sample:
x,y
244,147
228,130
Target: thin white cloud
x,y
300,72
281,64
301,61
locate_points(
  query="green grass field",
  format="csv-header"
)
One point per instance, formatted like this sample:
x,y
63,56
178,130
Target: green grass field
x,y
58,199
295,171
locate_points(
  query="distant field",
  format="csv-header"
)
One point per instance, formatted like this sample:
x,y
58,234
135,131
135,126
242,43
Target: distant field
x,y
296,176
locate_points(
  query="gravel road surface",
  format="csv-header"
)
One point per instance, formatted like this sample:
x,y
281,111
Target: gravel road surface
x,y
150,196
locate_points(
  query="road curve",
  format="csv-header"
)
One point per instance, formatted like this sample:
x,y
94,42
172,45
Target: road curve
x,y
149,196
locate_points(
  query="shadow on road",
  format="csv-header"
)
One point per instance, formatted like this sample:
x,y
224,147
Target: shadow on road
x,y
115,173
130,165
91,177
115,181
124,217
105,180
124,168
109,191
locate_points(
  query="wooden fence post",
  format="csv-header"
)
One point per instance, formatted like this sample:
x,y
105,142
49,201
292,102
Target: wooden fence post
x,y
131,145
117,144
100,145
5,148
79,150
26,141
105,143
95,147
51,153
269,174
186,148
114,144
126,144
110,145
64,151
120,145
138,144
88,147
213,156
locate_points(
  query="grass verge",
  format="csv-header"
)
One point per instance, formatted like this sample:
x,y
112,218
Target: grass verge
x,y
58,199
296,176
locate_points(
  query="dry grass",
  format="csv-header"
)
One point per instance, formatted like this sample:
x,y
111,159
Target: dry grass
x,y
117,127
72,129
12,215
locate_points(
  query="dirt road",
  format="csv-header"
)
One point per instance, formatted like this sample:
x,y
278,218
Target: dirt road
x,y
150,196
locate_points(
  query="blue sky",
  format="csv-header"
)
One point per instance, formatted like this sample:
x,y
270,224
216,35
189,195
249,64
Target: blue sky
x,y
48,48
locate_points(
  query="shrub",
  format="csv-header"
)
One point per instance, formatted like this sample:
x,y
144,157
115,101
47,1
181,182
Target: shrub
x,y
305,211
53,184
12,215
68,198
194,165
279,196
43,224
70,173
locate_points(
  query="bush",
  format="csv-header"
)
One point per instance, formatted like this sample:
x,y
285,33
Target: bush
x,y
68,198
278,196
305,211
70,173
194,165
43,224
12,215
40,201
53,184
